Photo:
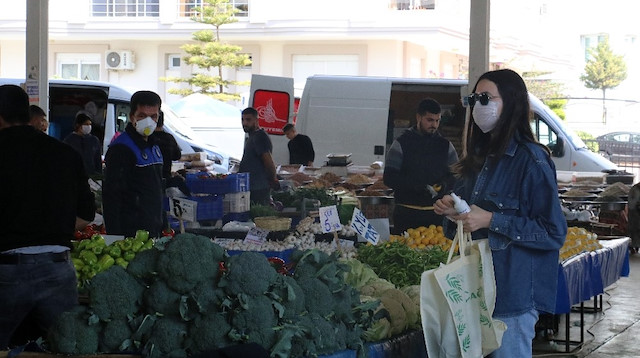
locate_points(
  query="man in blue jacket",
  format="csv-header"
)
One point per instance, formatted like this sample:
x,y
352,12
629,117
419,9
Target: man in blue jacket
x,y
132,187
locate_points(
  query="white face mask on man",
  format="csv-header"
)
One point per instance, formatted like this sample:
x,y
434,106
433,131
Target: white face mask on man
x,y
486,116
146,126
86,129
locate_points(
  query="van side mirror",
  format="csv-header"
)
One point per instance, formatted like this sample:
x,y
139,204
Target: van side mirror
x,y
557,150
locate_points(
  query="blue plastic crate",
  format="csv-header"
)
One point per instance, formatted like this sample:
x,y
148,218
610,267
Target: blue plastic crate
x,y
236,217
210,207
208,184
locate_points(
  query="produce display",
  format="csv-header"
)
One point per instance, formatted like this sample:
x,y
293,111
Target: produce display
x,y
189,296
92,256
423,238
400,264
578,240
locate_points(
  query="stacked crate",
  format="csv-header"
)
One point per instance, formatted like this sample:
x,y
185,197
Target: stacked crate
x,y
231,192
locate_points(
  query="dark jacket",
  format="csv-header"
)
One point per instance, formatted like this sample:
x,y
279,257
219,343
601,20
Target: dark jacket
x,y
527,227
415,161
132,188
43,188
169,149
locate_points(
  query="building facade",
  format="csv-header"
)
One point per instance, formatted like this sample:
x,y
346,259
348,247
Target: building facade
x,y
134,43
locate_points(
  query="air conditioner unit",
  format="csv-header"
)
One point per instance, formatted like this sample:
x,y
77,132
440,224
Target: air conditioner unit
x,y
119,60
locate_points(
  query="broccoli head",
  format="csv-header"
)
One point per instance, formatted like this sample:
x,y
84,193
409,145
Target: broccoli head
x,y
115,335
248,273
159,298
290,295
167,338
71,333
254,321
207,298
321,336
209,332
143,265
187,260
114,294
345,301
318,297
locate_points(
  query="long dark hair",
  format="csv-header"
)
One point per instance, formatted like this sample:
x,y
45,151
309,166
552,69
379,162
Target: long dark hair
x,y
514,122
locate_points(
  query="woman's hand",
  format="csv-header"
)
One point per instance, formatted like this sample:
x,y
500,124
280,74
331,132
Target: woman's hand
x,y
444,206
476,219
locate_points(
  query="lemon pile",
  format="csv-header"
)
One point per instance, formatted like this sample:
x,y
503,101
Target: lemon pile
x,y
578,240
423,238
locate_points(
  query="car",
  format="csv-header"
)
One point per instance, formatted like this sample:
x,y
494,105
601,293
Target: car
x,y
619,144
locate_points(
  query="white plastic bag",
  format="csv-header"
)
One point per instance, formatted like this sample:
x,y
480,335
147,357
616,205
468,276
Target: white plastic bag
x,y
457,301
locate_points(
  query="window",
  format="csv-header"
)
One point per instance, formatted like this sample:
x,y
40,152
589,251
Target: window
x,y
126,8
187,8
591,42
544,133
412,4
84,66
173,61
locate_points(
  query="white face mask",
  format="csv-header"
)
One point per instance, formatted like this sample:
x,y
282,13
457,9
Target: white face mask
x,y
86,128
146,126
486,117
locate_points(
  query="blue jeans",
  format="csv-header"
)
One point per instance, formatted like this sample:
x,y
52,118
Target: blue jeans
x,y
43,289
517,340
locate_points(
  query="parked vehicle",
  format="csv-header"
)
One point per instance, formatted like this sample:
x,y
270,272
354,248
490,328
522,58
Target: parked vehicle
x,y
619,144
111,107
363,115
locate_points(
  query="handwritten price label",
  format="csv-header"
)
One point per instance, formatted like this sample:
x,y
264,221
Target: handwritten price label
x,y
329,219
184,208
256,235
361,225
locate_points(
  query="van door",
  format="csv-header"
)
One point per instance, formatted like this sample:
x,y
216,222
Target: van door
x,y
66,99
568,151
273,98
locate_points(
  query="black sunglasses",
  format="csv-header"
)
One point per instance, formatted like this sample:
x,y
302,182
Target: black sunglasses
x,y
471,99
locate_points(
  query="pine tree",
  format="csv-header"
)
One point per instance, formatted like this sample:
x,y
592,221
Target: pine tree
x,y
604,70
209,52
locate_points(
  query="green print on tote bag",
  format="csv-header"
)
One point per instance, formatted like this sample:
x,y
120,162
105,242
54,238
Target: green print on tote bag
x,y
457,301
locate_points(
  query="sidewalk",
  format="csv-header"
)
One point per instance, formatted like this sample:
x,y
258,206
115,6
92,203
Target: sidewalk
x,y
612,332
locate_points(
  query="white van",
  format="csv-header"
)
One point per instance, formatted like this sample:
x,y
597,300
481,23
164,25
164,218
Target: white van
x,y
363,115
112,106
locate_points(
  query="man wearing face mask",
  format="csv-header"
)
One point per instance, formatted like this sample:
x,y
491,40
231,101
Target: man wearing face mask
x,y
86,144
132,186
417,169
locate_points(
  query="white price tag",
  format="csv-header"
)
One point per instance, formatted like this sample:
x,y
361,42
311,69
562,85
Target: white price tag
x,y
329,219
361,225
256,235
184,208
343,244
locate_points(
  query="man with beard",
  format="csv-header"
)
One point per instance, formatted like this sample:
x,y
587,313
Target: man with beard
x,y
257,160
417,169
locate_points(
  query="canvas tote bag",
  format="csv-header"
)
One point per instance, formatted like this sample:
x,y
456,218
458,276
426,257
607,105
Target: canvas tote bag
x,y
457,301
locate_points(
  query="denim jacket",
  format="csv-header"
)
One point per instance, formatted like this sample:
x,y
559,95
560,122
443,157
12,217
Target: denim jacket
x,y
527,229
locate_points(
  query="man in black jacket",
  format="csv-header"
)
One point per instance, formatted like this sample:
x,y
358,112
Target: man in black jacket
x,y
44,198
300,146
417,169
132,188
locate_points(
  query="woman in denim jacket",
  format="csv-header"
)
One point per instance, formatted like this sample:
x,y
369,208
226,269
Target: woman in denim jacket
x,y
509,181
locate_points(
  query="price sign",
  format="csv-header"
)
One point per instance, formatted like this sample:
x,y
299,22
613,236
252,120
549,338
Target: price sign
x,y
256,235
361,225
329,219
343,244
185,209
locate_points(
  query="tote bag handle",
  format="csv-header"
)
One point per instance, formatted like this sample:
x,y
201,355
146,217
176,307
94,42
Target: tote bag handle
x,y
462,239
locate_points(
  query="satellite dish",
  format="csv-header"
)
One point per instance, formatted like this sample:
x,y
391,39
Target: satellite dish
x,y
113,59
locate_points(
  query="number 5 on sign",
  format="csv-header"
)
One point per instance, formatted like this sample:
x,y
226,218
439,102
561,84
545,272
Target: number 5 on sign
x,y
329,219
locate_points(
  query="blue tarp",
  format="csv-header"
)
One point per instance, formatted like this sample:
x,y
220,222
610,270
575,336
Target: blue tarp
x,y
587,275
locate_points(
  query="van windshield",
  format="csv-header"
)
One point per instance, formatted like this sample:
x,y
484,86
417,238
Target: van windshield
x,y
176,124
